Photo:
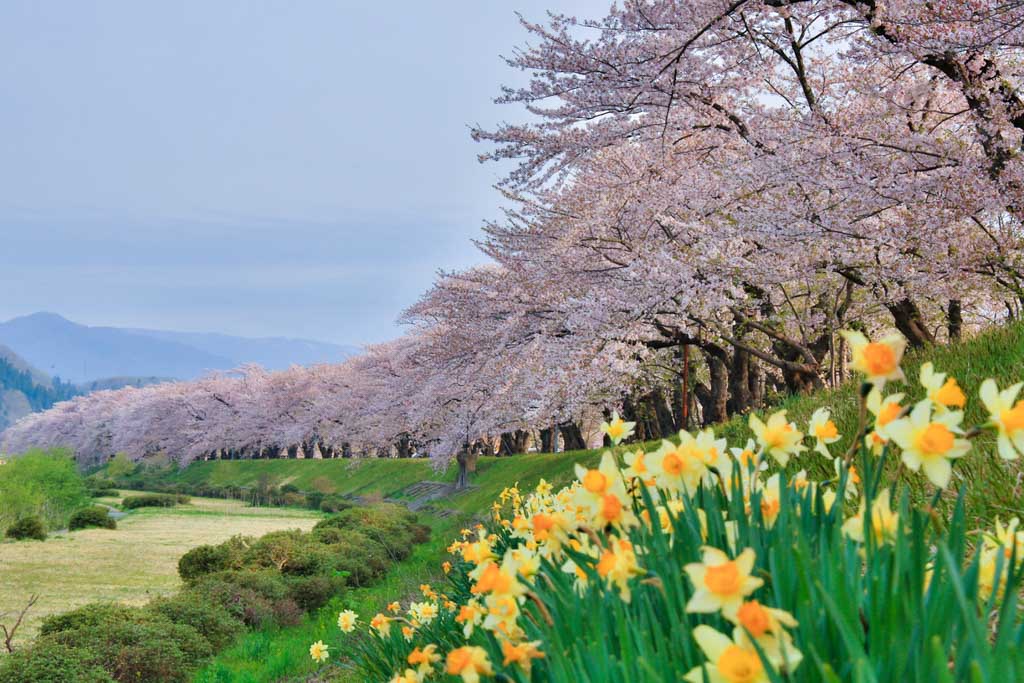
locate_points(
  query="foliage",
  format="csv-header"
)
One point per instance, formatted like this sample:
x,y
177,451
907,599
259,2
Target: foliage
x,y
94,516
46,484
27,528
192,608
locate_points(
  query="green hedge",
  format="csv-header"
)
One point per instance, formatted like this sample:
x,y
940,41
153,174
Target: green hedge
x,y
154,500
96,516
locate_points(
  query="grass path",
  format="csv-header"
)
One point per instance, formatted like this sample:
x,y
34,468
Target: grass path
x,y
132,564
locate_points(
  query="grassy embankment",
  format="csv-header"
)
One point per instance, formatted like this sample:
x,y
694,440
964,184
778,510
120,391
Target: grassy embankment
x,y
270,656
131,564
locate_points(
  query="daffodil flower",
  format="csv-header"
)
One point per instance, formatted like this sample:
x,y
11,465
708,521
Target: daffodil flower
x,y
617,429
1006,416
469,662
347,621
885,523
824,431
944,392
929,442
318,651
729,661
777,437
879,361
720,583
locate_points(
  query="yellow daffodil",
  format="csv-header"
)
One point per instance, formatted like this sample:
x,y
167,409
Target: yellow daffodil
x,y
879,361
885,523
944,393
318,651
823,430
347,621
617,429
929,442
677,468
1007,416
470,616
777,437
720,584
409,676
424,659
408,632
469,662
521,654
729,661
394,607
767,627
618,565
885,410
381,624
602,495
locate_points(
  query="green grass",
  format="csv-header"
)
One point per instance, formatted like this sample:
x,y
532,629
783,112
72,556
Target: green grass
x,y
282,655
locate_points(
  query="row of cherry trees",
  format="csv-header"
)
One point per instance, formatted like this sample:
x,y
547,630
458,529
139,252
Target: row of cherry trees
x,y
705,193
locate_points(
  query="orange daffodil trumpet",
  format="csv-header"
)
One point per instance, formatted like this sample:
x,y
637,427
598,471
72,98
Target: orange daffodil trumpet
x,y
1006,414
879,361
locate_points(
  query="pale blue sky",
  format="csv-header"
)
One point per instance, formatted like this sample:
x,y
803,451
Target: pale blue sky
x,y
297,168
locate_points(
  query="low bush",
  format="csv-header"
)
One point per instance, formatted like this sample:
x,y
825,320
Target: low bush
x,y
204,559
49,662
104,493
242,603
87,616
161,500
27,528
210,619
313,592
95,516
147,650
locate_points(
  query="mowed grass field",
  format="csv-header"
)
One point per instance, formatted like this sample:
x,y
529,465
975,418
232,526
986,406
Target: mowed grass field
x,y
132,564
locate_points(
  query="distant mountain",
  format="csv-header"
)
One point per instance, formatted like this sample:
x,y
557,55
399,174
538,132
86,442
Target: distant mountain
x,y
83,354
272,353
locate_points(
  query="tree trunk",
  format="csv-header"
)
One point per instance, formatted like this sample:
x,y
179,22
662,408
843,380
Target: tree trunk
x,y
740,398
462,459
716,397
909,320
955,313
573,436
664,414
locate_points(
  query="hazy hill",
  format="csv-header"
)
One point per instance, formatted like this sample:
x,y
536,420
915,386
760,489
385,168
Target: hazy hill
x,y
82,354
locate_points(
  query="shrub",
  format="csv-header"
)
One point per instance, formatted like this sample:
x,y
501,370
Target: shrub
x,y
150,650
27,528
162,500
95,516
210,619
314,499
243,604
313,592
48,662
202,560
88,616
104,493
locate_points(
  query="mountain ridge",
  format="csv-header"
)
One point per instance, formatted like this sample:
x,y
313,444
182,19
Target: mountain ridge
x,y
82,354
